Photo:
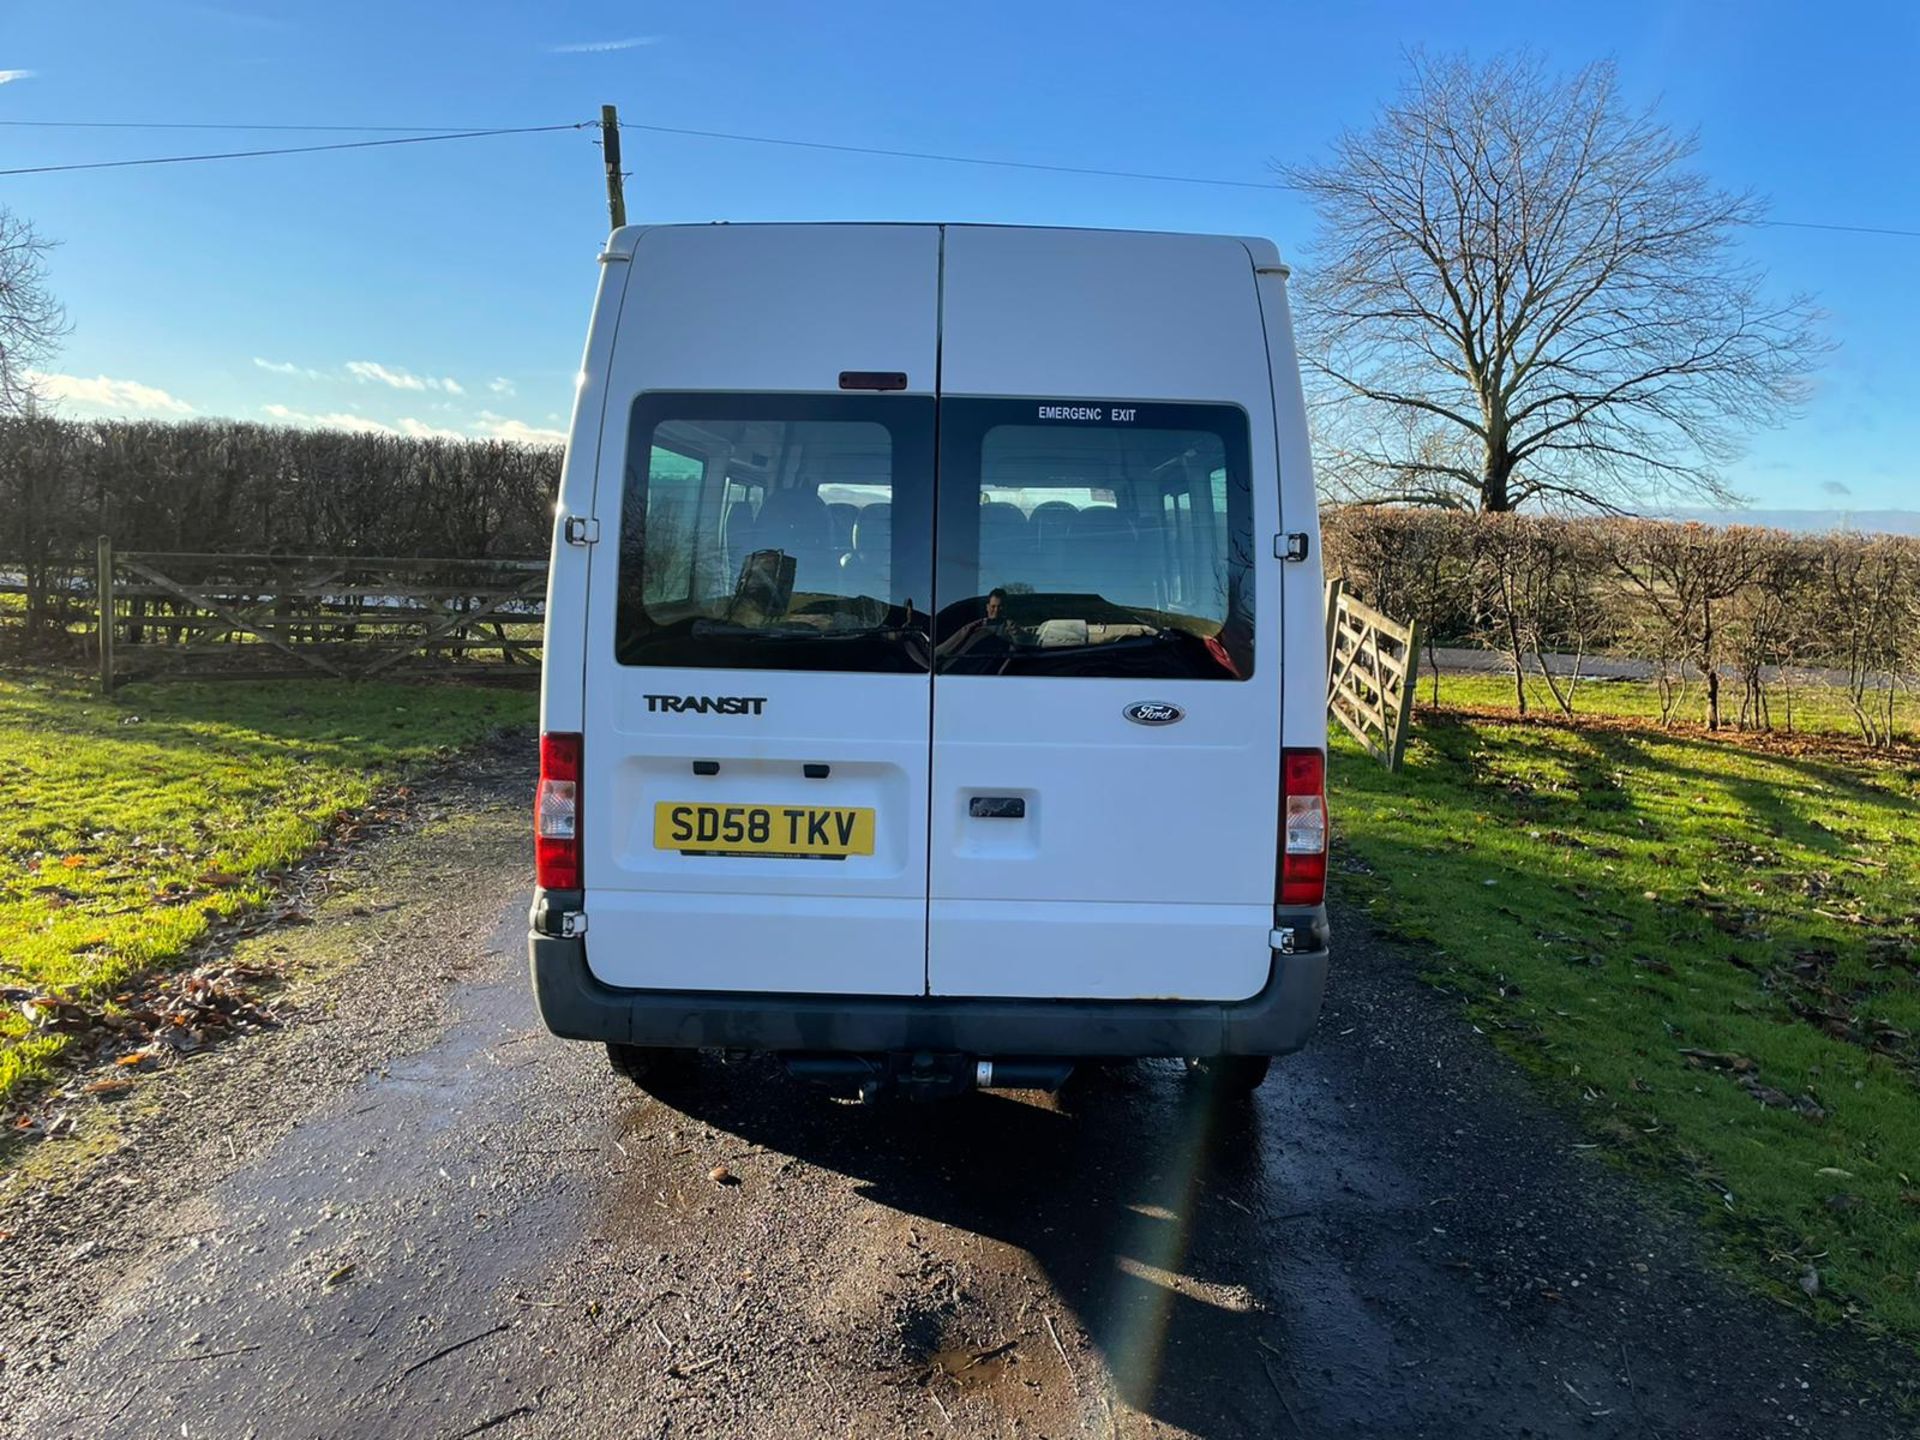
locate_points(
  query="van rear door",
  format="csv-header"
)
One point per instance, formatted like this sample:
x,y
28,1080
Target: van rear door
x,y
755,769
1106,710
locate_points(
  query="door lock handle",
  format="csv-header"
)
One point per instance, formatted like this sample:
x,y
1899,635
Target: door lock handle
x,y
997,807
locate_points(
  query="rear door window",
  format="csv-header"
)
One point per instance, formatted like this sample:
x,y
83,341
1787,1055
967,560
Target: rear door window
x,y
784,532
1095,539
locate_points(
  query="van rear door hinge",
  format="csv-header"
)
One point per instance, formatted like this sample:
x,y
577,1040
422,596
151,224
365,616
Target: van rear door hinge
x,y
582,530
573,923
1291,546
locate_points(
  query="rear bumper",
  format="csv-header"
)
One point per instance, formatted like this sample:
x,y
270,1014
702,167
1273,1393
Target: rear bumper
x,y
1276,1021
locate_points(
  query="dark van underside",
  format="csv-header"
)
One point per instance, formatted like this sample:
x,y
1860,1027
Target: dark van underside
x,y
1276,1021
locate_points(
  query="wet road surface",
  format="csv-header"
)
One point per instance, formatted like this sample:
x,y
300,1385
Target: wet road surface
x,y
492,1235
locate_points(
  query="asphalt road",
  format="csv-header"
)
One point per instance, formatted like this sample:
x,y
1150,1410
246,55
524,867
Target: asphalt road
x,y
413,1213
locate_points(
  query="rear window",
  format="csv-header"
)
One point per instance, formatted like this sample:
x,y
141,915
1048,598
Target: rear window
x,y
1084,539
777,532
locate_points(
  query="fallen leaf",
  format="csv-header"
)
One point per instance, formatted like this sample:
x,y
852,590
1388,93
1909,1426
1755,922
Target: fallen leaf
x,y
1718,1060
341,1274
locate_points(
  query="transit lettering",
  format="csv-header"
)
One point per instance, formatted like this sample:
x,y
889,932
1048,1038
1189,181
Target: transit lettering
x,y
706,704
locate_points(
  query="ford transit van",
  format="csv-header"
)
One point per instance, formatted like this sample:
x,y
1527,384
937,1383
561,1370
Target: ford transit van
x,y
935,671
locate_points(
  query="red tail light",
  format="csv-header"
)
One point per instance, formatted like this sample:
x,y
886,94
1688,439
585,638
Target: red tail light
x,y
556,814
1303,827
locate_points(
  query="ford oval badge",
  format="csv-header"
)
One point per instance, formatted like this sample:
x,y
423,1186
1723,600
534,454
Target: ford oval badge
x,y
1153,712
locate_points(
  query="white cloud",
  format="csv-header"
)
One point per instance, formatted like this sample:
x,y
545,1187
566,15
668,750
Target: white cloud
x,y
500,385
332,420
102,393
287,367
372,370
603,47
500,427
421,430
7,77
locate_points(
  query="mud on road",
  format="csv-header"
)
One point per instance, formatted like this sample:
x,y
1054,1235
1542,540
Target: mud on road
x,y
414,1213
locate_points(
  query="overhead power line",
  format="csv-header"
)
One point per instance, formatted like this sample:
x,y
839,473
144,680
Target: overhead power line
x,y
295,149
420,134
1844,229
228,125
1124,174
959,159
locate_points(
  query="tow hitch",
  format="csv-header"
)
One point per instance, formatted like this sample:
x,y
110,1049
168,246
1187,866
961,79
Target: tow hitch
x,y
925,1075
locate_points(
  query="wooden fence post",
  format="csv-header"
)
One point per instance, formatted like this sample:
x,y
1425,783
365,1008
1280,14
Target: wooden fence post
x,y
103,594
1334,587
1404,718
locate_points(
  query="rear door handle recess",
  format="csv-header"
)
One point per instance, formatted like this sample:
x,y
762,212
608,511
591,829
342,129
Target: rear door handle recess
x,y
997,807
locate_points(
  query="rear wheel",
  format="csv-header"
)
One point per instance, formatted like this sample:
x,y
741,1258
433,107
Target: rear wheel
x,y
1232,1074
646,1065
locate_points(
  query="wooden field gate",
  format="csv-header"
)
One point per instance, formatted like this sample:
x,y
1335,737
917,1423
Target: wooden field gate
x,y
253,617
1372,663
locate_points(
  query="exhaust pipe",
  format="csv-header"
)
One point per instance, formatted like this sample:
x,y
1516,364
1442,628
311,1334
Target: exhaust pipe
x,y
1019,1074
924,1076
835,1070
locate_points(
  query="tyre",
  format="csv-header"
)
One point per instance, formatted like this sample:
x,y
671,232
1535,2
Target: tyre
x,y
1232,1074
647,1065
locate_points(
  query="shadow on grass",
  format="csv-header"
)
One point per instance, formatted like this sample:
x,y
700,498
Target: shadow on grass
x,y
1613,899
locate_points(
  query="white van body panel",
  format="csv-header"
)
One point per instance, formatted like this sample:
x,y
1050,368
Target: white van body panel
x,y
1100,313
1303,598
564,649
1145,867
756,308
777,307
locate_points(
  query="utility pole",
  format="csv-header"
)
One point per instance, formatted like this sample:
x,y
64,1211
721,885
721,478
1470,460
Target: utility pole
x,y
610,150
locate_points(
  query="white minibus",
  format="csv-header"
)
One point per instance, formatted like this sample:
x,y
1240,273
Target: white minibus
x,y
935,666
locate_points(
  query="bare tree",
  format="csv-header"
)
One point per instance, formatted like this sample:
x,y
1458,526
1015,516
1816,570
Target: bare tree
x,y
1524,293
31,320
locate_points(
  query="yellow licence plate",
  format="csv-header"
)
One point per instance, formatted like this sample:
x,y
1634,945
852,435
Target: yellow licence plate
x,y
812,831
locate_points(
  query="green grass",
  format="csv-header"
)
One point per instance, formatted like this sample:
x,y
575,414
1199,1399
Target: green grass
x,y
1607,899
1817,709
130,824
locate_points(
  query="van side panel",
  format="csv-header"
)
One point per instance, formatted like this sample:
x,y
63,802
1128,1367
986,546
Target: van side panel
x,y
564,650
1303,586
1143,866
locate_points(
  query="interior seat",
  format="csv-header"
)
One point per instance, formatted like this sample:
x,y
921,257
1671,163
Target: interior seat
x,y
1006,546
869,564
797,522
1103,557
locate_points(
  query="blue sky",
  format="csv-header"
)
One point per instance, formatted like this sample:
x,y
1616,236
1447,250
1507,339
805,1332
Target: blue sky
x,y
454,278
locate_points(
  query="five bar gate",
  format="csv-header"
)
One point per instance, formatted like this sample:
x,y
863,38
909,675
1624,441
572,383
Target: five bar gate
x,y
204,617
